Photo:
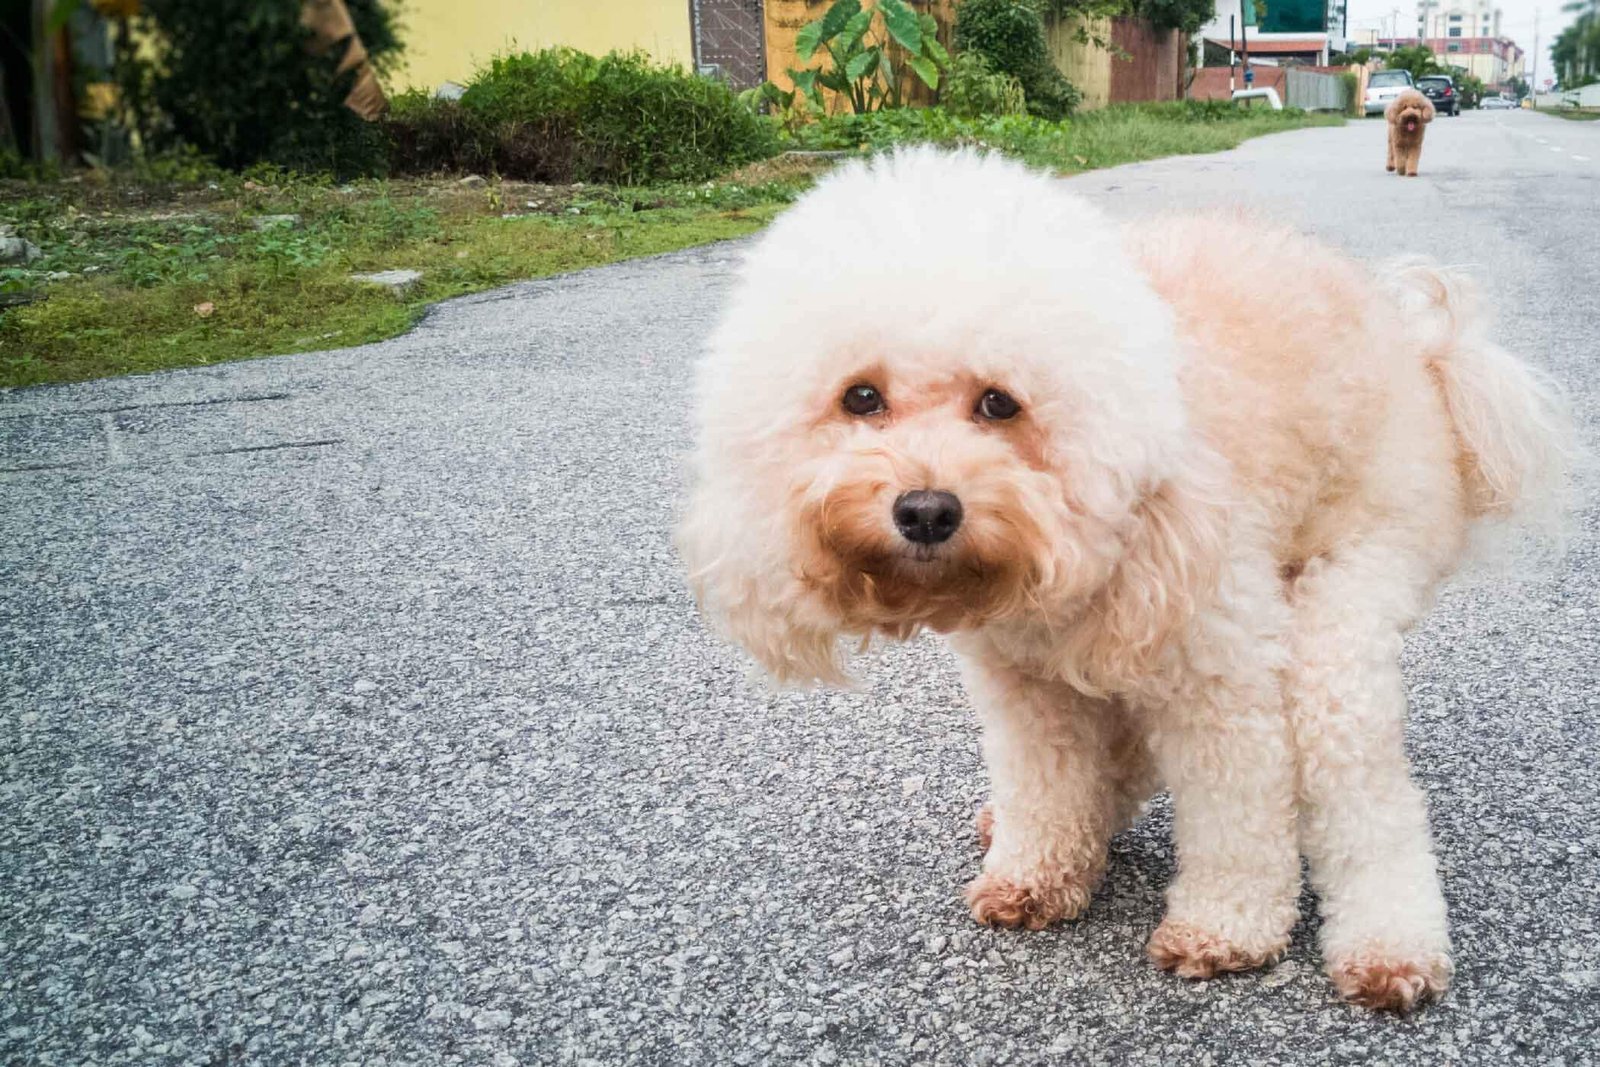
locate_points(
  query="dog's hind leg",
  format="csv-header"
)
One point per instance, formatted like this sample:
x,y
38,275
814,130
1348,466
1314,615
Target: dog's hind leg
x,y
1363,823
1389,162
1053,758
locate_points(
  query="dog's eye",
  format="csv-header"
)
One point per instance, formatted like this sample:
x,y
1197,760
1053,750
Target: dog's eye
x,y
997,405
862,400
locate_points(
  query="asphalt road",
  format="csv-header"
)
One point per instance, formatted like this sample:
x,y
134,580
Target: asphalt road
x,y
352,710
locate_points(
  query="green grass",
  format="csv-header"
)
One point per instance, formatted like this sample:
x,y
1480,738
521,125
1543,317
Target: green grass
x,y
148,291
167,268
1573,115
1105,138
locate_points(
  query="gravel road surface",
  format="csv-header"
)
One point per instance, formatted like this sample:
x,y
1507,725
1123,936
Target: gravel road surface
x,y
352,710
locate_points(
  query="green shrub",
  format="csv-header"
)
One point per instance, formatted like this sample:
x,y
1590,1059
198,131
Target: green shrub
x,y
972,89
560,115
427,136
1352,94
1009,34
233,79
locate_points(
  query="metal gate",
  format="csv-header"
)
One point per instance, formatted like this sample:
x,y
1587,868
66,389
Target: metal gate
x,y
729,40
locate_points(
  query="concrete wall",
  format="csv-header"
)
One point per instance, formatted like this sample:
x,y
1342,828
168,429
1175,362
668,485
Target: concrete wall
x,y
1142,63
447,39
1086,66
1587,98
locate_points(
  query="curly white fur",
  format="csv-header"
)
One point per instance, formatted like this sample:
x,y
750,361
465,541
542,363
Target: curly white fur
x,y
1188,560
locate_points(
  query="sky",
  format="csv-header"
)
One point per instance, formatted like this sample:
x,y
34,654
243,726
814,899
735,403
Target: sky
x,y
1516,22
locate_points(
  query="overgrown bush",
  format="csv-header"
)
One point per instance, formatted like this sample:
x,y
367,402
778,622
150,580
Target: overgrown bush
x,y
233,79
560,115
972,88
427,135
1009,34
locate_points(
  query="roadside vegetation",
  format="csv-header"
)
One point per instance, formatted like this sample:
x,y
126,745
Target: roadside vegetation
x,y
548,162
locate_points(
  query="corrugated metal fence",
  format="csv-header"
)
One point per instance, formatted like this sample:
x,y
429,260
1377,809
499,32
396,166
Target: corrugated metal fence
x,y
1315,92
1308,89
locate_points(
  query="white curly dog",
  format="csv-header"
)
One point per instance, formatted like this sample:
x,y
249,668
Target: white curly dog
x,y
1174,518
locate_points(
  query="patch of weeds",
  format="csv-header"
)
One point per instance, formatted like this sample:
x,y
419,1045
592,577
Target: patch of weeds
x,y
147,291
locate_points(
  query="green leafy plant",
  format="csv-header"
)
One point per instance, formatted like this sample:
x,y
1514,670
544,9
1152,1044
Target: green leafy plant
x,y
972,89
1010,36
867,62
1352,94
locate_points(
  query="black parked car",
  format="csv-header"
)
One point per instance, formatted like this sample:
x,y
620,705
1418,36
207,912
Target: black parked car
x,y
1441,89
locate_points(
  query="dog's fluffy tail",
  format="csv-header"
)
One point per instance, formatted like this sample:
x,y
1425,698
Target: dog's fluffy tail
x,y
1511,420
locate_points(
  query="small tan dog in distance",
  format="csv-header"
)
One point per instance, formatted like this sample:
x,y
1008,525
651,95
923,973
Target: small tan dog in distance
x,y
1174,520
1408,115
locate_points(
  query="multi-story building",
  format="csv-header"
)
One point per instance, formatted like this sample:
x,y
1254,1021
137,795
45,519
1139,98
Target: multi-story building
x,y
1465,19
1495,61
1292,31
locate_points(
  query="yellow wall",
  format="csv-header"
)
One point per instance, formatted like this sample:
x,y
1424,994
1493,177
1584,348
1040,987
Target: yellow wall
x,y
445,40
1086,66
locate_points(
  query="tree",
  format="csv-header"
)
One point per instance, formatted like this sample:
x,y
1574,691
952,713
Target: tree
x,y
1576,51
1418,59
1010,36
1518,87
234,79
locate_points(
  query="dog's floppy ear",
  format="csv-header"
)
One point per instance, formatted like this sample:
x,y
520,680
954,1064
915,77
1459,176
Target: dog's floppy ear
x,y
1171,563
739,570
1427,110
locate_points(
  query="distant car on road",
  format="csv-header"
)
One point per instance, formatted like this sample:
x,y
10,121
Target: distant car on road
x,y
1383,87
1498,103
1441,89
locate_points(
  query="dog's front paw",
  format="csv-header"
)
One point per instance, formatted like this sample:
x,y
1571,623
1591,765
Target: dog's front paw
x,y
1391,982
998,901
1189,951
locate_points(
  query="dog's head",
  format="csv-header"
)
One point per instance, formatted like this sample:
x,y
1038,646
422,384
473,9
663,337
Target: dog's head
x,y
942,396
1410,111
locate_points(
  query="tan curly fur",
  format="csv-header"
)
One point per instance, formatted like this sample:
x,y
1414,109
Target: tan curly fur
x,y
1408,115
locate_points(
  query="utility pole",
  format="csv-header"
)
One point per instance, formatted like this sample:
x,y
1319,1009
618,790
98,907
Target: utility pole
x,y
1233,54
1244,42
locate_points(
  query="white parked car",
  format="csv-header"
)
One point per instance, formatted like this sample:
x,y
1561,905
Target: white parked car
x,y
1383,87
1497,103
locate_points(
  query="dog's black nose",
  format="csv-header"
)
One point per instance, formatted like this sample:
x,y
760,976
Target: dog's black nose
x,y
927,516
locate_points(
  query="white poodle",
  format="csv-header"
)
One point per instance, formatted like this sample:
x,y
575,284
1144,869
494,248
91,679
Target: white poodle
x,y
1174,516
